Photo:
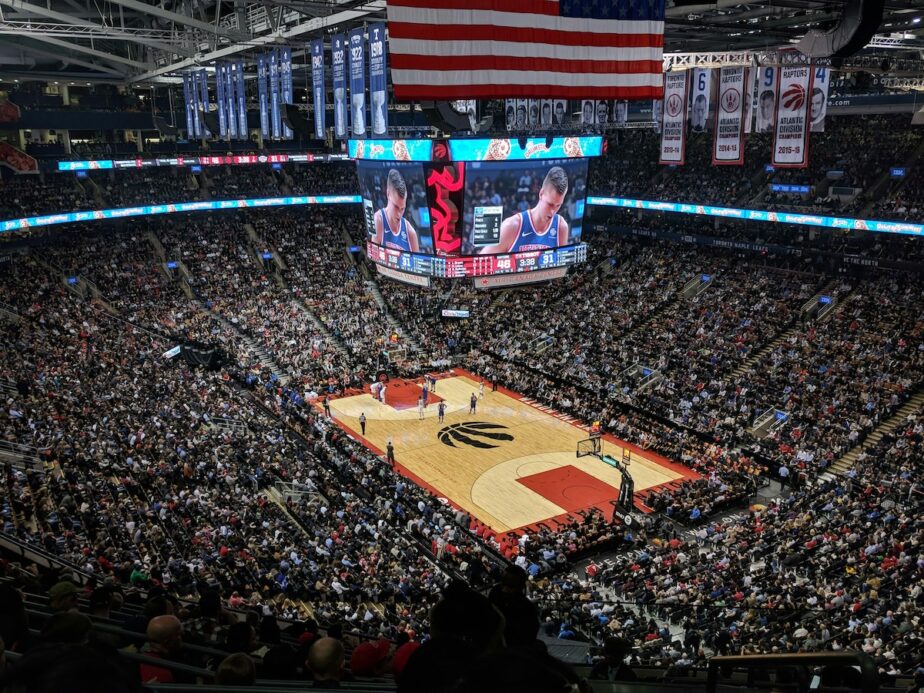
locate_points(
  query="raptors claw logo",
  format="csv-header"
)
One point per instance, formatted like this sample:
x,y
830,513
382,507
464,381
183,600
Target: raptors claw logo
x,y
471,433
794,97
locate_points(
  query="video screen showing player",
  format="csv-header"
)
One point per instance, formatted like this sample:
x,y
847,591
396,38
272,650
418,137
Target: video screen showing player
x,y
395,205
523,206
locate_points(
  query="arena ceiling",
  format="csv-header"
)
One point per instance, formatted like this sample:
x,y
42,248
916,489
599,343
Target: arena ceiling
x,y
138,42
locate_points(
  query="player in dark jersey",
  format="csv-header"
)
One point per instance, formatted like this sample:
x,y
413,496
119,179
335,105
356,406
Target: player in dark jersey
x,y
391,228
539,228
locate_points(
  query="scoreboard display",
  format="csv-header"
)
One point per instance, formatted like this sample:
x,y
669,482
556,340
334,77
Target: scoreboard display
x,y
475,265
474,208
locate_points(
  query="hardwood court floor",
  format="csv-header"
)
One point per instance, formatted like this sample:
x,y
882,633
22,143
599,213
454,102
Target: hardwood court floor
x,y
530,475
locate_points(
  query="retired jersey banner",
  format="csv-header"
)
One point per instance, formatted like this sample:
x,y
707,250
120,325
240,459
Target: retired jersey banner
x,y
220,99
821,84
728,138
790,145
263,94
357,45
378,89
338,60
767,78
674,118
285,78
702,90
317,87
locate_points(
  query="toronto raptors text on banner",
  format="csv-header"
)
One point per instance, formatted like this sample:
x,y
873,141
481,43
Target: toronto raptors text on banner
x,y
790,145
728,140
674,117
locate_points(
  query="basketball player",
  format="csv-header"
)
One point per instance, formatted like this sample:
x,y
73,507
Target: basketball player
x,y
362,422
391,228
481,389
539,228
420,407
472,404
441,411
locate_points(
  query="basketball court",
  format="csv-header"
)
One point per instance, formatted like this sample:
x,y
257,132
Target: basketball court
x,y
512,464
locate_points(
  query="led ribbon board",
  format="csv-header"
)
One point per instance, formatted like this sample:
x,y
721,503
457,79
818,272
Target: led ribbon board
x,y
173,208
850,224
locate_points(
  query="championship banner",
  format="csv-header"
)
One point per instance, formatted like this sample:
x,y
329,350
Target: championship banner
x,y
357,41
822,82
220,99
378,91
228,78
187,101
767,78
790,145
204,93
263,94
674,119
241,103
275,117
338,60
285,77
197,121
728,138
702,90
317,87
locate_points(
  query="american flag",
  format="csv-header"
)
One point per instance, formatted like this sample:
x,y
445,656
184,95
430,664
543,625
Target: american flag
x,y
453,49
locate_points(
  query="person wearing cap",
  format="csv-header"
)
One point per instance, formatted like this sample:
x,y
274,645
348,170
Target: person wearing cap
x,y
370,658
63,596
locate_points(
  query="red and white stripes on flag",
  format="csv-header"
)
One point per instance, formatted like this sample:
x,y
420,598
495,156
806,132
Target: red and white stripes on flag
x,y
793,99
451,49
728,138
674,118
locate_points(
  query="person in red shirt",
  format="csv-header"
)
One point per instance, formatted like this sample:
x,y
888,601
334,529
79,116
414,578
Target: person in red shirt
x,y
165,637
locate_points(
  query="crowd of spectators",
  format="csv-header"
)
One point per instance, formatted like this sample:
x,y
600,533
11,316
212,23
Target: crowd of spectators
x,y
160,475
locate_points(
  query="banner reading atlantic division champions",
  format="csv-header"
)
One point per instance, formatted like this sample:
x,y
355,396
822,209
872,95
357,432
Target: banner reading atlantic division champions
x,y
357,42
674,118
378,93
338,60
728,138
317,87
790,145
204,99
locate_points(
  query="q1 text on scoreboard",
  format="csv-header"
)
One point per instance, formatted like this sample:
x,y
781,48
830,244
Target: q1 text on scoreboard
x,y
475,207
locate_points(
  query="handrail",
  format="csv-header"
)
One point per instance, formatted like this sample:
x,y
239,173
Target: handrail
x,y
869,677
